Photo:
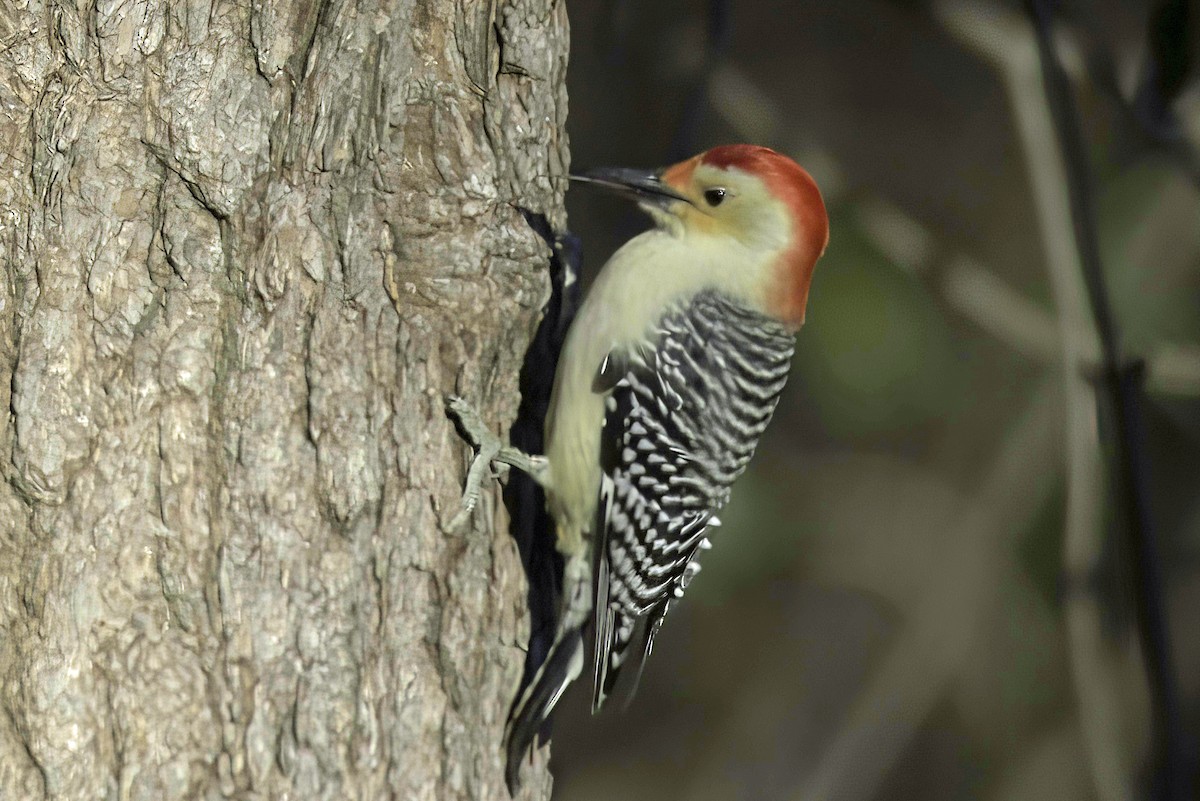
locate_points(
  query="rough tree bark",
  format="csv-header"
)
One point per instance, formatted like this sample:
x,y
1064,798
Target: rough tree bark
x,y
247,247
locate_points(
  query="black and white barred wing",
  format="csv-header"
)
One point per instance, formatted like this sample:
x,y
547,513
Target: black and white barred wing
x,y
682,422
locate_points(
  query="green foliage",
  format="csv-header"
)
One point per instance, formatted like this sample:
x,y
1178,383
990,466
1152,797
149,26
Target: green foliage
x,y
1151,274
765,525
876,354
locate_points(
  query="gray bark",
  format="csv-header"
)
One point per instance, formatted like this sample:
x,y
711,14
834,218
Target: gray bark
x,y
246,249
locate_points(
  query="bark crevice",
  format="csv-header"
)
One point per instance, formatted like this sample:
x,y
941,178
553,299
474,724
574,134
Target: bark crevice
x,y
247,253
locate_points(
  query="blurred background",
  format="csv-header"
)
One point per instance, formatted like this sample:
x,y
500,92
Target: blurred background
x,y
923,588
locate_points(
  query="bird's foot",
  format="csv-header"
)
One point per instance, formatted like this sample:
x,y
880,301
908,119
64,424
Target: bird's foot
x,y
492,457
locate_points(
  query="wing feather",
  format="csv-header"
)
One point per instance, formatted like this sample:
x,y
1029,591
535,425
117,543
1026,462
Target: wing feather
x,y
681,423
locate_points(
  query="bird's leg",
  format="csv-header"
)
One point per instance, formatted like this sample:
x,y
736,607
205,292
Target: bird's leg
x,y
577,591
490,452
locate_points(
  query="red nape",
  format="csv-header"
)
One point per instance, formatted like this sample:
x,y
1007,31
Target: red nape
x,y
786,179
793,186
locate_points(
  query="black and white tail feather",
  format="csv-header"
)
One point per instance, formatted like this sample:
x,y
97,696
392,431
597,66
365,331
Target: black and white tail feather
x,y
682,418
563,664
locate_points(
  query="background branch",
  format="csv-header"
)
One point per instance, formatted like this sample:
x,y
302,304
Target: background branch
x,y
1119,394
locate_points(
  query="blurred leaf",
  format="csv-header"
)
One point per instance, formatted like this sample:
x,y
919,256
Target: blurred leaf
x,y
875,523
875,355
1015,674
767,530
1040,553
1150,246
1051,765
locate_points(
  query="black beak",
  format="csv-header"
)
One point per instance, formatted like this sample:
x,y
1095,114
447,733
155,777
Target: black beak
x,y
641,185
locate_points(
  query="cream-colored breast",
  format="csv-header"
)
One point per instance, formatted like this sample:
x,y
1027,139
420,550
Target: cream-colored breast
x,y
647,275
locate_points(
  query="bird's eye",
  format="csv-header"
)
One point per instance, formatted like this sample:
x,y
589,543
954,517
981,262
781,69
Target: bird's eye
x,y
714,196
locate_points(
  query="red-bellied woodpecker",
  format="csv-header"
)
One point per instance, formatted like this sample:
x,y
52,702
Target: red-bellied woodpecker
x,y
669,375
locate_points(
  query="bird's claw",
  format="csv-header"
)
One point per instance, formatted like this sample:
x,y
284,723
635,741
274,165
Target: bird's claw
x,y
492,457
486,446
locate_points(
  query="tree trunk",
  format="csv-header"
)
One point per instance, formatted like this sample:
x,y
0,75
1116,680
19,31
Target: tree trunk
x,y
247,248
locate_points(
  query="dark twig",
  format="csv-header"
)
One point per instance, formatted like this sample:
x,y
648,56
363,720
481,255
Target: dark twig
x,y
720,34
1167,68
1119,390
613,30
1148,124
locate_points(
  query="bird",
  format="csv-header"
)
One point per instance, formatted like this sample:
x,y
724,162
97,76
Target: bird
x,y
668,377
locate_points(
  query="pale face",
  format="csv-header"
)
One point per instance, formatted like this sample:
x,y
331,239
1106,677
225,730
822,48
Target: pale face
x,y
726,203
741,218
